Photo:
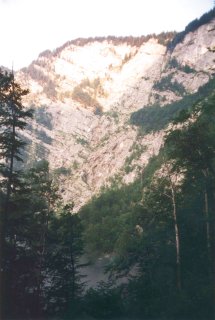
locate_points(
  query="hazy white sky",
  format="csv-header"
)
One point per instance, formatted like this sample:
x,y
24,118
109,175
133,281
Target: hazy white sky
x,y
28,27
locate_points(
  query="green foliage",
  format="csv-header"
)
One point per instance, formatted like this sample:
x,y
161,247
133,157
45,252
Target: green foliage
x,y
174,64
37,73
136,225
163,38
191,27
109,217
43,245
86,93
49,88
154,117
84,98
24,255
75,165
126,58
66,247
166,84
82,141
104,218
114,115
195,143
43,117
103,302
42,135
136,152
62,171
46,54
187,69
13,117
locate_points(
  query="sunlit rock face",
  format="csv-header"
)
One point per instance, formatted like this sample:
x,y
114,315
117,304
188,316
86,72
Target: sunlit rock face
x,y
83,94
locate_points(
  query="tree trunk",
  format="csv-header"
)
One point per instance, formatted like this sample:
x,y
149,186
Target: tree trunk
x,y
4,211
1,266
212,218
11,165
208,237
177,240
72,259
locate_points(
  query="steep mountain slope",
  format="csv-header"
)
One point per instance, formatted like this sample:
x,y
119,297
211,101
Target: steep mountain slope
x,y
84,93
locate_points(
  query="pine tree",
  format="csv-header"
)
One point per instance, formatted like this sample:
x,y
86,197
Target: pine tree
x,y
13,119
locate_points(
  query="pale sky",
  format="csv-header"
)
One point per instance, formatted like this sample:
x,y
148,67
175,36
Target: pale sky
x,y
28,27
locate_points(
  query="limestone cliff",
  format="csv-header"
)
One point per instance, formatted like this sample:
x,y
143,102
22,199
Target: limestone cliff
x,y
84,93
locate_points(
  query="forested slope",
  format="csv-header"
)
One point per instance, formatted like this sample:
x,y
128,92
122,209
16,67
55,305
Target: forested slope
x,y
163,224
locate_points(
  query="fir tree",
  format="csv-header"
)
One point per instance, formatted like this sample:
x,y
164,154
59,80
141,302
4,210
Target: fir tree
x,y
13,119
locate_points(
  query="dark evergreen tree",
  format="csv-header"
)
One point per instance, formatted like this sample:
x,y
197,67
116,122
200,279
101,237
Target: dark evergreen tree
x,y
192,147
65,250
13,119
42,201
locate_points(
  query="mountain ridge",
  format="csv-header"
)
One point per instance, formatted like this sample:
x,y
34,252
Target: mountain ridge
x,y
86,94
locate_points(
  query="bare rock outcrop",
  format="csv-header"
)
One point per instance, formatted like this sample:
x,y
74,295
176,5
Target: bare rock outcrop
x,y
83,97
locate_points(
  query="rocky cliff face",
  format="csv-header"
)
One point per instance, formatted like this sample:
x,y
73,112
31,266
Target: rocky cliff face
x,y
84,93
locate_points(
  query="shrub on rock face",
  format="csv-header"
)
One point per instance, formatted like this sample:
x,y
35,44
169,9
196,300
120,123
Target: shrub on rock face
x,y
83,97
